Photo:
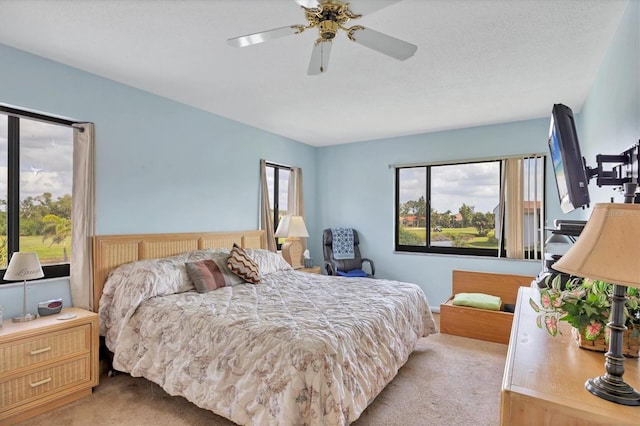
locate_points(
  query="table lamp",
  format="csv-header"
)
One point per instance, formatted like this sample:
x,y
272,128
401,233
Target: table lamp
x,y
23,266
292,228
609,250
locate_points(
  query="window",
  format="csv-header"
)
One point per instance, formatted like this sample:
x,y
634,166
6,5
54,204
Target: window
x,y
36,168
278,184
456,208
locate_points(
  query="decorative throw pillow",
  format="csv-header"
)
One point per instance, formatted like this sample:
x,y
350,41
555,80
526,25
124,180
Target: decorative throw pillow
x,y
209,274
242,265
268,261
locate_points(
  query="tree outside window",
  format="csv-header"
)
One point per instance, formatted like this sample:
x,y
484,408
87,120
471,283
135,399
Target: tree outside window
x,y
36,168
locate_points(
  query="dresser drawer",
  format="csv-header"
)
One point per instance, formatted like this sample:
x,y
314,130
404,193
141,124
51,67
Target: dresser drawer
x,y
41,383
49,347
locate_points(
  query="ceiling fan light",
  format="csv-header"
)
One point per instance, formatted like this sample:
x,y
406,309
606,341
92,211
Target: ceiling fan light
x,y
328,30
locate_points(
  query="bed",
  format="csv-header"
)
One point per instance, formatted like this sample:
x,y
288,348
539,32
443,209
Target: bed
x,y
296,348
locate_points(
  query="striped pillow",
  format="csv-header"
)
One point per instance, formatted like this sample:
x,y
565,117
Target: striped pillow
x,y
208,275
242,265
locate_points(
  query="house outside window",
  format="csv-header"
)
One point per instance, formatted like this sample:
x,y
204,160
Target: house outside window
x,y
454,208
36,170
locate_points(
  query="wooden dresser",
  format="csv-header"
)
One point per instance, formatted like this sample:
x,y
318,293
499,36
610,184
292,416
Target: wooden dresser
x,y
46,363
544,377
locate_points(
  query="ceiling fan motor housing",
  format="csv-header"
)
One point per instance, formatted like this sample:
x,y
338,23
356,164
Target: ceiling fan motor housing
x,y
328,29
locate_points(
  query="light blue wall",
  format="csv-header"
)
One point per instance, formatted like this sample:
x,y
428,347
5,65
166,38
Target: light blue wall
x,y
165,167
356,187
161,166
610,119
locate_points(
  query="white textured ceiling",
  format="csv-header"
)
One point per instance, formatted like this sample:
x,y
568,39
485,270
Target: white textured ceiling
x,y
478,61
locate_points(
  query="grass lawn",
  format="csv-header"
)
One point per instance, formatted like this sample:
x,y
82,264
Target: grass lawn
x,y
53,254
475,241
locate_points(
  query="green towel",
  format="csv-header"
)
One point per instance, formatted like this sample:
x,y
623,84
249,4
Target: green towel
x,y
478,300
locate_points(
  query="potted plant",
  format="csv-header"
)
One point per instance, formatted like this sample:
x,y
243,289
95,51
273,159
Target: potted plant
x,y
586,305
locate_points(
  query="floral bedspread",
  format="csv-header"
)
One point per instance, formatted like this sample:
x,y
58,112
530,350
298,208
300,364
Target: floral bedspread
x,y
296,349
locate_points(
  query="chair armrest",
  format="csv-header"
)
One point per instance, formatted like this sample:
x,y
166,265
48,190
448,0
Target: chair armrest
x,y
330,267
371,264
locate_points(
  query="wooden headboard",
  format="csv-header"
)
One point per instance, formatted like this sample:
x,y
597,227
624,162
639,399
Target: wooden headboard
x,y
110,251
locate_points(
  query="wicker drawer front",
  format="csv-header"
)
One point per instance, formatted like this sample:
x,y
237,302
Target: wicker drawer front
x,y
26,352
40,383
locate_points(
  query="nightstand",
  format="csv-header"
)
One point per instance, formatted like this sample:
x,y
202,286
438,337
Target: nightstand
x,y
312,270
46,363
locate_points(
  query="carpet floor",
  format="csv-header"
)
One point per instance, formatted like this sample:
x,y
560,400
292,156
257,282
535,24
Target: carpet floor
x,y
448,380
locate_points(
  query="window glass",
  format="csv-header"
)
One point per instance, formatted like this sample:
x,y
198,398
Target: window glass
x,y
463,202
3,190
278,184
46,156
413,207
36,167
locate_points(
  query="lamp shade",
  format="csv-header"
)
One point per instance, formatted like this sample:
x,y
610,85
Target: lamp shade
x,y
23,266
609,246
291,227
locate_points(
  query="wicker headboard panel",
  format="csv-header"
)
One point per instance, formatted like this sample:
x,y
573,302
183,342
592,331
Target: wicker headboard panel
x,y
110,251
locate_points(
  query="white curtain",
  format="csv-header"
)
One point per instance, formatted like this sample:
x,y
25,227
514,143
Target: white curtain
x,y
521,207
82,215
295,197
266,221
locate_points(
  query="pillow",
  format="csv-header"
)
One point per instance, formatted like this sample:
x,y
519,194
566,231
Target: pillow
x,y
268,261
209,274
478,300
241,264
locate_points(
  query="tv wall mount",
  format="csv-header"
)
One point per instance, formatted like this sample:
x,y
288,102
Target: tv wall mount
x,y
624,172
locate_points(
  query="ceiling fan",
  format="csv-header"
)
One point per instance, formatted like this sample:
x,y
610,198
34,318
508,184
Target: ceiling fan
x,y
330,16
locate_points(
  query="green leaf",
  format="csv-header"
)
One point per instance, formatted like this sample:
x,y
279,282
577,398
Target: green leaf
x,y
534,305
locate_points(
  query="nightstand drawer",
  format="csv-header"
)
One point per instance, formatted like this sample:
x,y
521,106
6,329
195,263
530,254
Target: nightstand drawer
x,y
40,383
27,352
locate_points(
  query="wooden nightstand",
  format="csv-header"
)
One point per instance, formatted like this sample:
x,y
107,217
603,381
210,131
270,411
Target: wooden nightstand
x,y
312,270
46,363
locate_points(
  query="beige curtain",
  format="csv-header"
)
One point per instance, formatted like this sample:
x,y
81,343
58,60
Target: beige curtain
x,y
295,197
522,207
266,221
514,229
82,215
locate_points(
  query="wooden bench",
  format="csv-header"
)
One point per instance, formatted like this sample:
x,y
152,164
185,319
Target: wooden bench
x,y
493,326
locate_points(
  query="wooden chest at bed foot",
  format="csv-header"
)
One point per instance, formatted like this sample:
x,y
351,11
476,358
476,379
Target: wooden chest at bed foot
x,y
492,326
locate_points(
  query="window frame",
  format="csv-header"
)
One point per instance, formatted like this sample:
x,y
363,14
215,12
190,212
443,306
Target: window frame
x,y
13,185
276,195
500,252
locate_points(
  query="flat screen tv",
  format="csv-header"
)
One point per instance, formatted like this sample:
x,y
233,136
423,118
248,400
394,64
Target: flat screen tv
x,y
568,164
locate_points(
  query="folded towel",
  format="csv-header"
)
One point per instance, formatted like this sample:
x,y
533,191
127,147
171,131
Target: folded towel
x,y
478,300
342,243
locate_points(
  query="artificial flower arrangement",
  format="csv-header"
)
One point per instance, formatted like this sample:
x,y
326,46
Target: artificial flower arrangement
x,y
586,305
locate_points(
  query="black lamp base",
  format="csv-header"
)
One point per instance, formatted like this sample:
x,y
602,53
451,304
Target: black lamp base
x,y
613,389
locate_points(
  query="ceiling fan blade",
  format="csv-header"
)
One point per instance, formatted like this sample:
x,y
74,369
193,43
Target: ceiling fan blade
x,y
365,7
384,43
251,39
359,7
308,3
319,62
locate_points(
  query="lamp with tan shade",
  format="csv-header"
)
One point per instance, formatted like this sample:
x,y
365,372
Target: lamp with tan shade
x,y
609,250
23,266
292,228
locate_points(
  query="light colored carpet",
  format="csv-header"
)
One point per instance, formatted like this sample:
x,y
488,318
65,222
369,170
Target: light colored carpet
x,y
448,380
